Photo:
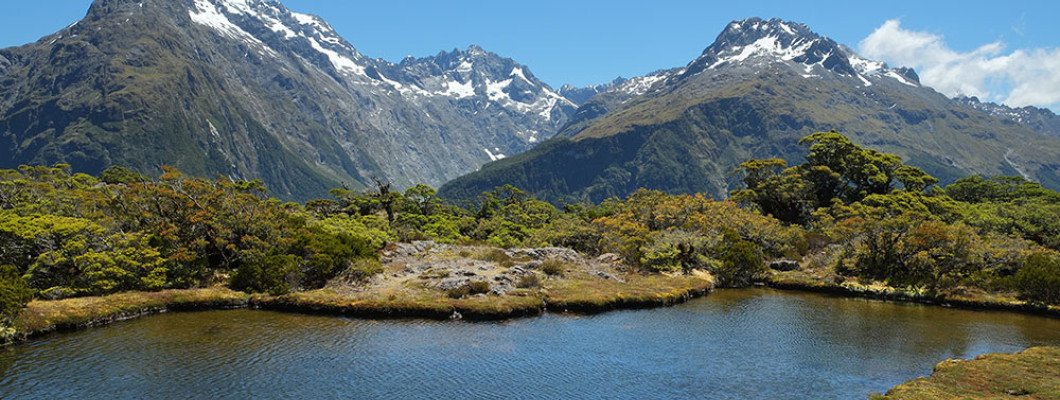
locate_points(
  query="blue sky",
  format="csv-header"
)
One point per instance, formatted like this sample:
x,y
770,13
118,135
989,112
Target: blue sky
x,y
593,41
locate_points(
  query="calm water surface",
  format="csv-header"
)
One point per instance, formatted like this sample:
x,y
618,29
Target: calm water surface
x,y
731,344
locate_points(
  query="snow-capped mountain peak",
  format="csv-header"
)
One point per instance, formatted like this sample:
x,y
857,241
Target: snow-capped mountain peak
x,y
756,42
271,29
476,72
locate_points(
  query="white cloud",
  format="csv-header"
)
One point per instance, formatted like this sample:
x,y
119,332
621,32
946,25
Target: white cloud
x,y
1016,78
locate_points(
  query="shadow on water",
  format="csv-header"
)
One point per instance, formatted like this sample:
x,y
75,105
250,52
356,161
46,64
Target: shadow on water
x,y
731,344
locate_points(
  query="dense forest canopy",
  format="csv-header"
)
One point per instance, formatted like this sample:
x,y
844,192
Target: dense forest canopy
x,y
857,212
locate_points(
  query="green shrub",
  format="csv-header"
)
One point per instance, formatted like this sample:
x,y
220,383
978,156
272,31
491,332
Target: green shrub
x,y
14,293
910,251
1039,279
274,274
506,234
121,175
740,262
364,268
678,250
571,232
661,257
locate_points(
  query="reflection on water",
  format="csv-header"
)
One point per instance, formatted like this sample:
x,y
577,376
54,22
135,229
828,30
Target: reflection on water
x,y
731,344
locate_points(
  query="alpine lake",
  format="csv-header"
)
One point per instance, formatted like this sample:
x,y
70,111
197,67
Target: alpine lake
x,y
733,343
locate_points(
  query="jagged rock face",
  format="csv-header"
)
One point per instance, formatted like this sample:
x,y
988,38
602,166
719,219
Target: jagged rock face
x,y
753,93
250,89
484,83
621,87
1041,120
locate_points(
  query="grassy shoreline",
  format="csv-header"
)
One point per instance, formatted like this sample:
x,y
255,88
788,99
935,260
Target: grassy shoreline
x,y
800,281
44,317
987,375
1029,374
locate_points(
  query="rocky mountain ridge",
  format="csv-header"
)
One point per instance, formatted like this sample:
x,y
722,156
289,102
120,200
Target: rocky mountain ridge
x,y
250,89
1041,120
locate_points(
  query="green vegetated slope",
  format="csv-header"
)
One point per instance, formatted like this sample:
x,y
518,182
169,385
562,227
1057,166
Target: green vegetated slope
x,y
144,92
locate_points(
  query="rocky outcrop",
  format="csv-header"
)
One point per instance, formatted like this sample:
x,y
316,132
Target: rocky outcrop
x,y
450,267
783,265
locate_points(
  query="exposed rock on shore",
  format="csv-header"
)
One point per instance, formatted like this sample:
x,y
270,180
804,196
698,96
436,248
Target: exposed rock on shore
x,y
444,267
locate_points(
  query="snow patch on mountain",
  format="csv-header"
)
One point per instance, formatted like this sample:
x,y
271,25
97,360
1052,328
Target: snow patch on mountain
x,y
495,91
898,77
766,46
341,62
457,89
865,66
237,6
495,157
642,84
410,90
787,28
877,69
306,19
465,66
205,13
517,72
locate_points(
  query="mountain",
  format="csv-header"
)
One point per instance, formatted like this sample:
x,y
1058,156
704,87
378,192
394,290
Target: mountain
x,y
753,93
597,101
627,88
1041,120
250,89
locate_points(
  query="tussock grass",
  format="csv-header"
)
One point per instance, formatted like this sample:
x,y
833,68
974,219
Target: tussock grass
x,y
555,267
528,282
497,256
